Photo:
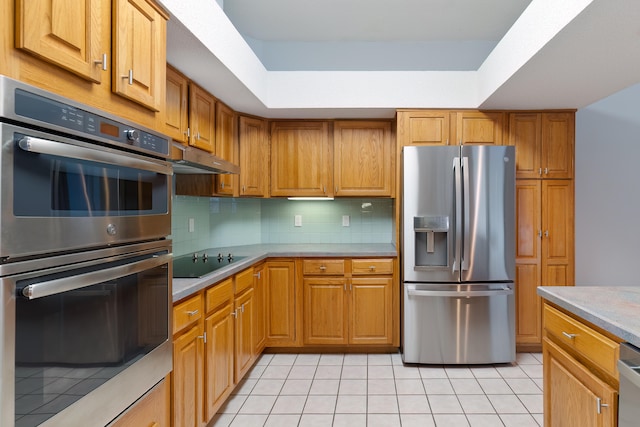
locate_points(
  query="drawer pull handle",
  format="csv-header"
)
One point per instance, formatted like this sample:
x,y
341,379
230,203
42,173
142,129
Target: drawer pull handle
x,y
372,267
600,405
203,337
322,268
192,313
258,274
570,336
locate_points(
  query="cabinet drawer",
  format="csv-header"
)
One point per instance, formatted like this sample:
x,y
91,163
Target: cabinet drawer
x,y
187,312
323,266
151,410
599,349
372,266
218,294
244,280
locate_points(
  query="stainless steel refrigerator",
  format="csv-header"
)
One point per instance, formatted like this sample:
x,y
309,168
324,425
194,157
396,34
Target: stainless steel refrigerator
x,y
458,254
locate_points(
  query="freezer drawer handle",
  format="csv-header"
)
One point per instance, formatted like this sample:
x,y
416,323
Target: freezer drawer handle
x,y
462,294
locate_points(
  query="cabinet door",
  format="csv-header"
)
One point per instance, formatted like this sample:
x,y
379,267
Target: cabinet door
x,y
202,118
139,53
423,128
301,159
65,33
219,355
325,310
243,333
528,252
475,127
524,134
363,161
370,310
254,157
557,225
153,409
176,111
188,379
280,307
227,147
259,318
571,393
558,135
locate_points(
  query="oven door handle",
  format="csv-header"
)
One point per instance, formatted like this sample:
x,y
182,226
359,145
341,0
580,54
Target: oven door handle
x,y
46,146
56,286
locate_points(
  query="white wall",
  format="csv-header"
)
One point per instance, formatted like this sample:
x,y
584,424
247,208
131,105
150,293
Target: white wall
x,y
607,191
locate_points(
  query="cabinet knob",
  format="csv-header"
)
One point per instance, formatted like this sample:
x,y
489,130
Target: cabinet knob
x,y
102,61
372,267
546,233
129,76
258,274
600,405
203,337
322,268
546,171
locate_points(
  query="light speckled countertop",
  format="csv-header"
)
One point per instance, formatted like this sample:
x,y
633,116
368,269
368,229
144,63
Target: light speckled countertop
x,y
184,287
615,309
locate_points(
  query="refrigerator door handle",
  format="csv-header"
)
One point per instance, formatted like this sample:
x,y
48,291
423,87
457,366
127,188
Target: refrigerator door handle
x,y
458,214
459,294
465,207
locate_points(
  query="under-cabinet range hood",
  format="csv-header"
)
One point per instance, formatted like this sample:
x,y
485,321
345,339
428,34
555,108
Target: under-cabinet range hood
x,y
190,160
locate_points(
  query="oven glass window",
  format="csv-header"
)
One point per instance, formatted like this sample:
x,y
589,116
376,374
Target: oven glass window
x,y
70,343
53,186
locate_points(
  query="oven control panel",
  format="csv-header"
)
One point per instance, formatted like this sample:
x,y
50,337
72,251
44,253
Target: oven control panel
x,y
87,124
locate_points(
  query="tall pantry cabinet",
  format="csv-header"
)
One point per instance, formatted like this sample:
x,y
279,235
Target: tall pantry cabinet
x,y
545,213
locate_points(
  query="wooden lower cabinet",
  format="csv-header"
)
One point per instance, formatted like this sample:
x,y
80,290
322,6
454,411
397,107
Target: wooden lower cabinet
x,y
153,409
370,310
280,304
243,333
325,310
188,367
219,357
343,309
579,372
572,393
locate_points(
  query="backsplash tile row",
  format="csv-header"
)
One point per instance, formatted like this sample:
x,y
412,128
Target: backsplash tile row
x,y
233,222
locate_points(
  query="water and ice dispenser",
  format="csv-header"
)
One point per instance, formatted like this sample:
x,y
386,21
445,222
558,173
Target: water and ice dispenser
x,y
431,233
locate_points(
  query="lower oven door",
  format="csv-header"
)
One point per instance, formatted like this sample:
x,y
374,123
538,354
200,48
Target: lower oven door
x,y
83,341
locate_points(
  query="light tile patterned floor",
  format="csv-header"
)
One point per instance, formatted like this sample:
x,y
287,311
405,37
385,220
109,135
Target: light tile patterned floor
x,y
354,390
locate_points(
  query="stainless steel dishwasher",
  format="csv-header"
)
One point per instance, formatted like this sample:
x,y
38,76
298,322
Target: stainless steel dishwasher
x,y
629,396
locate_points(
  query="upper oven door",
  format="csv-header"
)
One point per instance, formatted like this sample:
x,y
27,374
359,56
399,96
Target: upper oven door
x,y
62,194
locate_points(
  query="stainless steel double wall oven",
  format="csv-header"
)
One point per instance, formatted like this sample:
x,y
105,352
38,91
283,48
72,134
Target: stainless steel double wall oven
x,y
85,264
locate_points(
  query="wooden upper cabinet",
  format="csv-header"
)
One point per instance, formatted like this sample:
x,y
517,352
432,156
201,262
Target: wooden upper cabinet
x,y
301,159
477,127
254,157
226,147
544,144
363,160
176,109
423,127
64,32
139,52
202,119
558,135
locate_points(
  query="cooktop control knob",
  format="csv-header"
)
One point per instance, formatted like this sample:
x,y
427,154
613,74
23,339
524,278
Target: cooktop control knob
x,y
132,135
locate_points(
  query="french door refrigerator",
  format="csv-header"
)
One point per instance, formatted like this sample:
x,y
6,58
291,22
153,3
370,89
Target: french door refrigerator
x,y
458,254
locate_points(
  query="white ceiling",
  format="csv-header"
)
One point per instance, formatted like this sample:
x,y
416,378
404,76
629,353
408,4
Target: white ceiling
x,y
366,58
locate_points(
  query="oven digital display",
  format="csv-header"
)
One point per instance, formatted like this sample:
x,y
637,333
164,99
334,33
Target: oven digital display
x,y
109,129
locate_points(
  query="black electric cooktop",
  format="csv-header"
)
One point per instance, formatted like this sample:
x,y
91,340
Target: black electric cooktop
x,y
198,265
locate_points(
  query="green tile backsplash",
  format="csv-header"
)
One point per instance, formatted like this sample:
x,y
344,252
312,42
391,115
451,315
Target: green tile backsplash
x,y
234,222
